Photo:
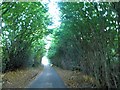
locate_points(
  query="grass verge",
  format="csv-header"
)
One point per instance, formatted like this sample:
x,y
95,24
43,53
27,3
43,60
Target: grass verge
x,y
76,79
20,78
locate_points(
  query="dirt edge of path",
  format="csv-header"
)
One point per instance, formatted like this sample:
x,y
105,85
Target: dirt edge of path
x,y
20,78
76,79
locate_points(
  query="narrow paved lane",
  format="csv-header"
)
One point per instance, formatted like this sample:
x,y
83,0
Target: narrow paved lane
x,y
47,79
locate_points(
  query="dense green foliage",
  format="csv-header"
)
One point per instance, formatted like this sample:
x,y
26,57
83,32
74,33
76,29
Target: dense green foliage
x,y
25,26
88,41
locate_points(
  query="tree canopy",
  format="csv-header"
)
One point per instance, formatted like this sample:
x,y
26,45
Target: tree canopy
x,y
25,26
87,40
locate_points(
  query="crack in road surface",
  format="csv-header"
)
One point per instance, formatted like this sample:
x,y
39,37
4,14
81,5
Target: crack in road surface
x,y
47,79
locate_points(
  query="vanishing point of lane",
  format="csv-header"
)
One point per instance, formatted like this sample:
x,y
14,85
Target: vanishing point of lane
x,y
47,79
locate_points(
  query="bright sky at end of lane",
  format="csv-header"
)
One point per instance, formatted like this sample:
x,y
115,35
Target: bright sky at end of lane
x,y
45,61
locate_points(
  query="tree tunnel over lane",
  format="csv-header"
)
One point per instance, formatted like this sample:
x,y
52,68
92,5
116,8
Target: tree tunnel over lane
x,y
86,39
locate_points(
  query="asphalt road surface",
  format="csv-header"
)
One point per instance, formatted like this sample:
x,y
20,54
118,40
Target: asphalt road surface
x,y
47,79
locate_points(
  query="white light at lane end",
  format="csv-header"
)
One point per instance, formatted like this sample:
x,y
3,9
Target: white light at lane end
x,y
45,61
